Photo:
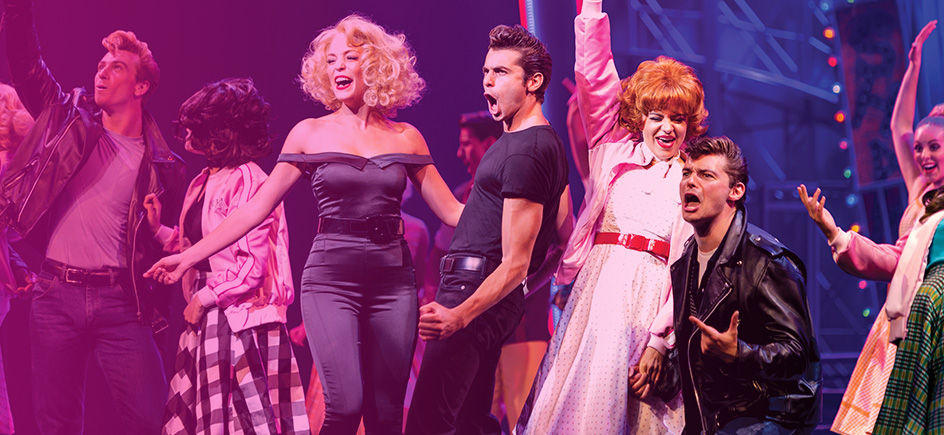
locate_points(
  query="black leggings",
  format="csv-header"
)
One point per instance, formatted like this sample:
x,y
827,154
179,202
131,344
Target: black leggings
x,y
360,311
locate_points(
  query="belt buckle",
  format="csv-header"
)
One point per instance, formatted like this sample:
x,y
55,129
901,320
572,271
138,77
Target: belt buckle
x,y
624,240
651,246
377,231
447,264
67,276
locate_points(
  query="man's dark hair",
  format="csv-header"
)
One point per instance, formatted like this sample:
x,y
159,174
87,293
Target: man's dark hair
x,y
228,122
534,56
736,166
481,125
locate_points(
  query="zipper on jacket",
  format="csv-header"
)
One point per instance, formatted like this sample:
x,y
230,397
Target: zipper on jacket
x,y
701,416
57,140
134,282
21,173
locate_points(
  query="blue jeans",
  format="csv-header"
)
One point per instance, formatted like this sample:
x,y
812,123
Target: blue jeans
x,y
759,426
70,323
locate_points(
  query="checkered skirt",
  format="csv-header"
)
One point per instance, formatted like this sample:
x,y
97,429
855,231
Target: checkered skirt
x,y
914,399
227,383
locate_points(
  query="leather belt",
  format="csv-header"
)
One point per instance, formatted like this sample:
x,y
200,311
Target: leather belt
x,y
79,276
376,228
635,242
455,262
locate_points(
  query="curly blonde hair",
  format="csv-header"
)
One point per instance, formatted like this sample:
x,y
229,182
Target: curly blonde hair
x,y
663,84
15,121
386,61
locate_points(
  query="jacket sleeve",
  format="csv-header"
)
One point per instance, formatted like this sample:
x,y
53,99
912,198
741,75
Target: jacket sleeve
x,y
168,238
780,297
859,256
34,83
598,83
251,252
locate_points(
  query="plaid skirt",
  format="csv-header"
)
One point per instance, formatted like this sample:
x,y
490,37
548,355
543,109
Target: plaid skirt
x,y
914,399
227,383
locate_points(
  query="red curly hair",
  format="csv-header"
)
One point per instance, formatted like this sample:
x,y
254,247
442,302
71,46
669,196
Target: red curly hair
x,y
663,84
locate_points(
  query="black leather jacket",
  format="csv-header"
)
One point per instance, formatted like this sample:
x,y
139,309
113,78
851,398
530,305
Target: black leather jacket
x,y
776,374
68,127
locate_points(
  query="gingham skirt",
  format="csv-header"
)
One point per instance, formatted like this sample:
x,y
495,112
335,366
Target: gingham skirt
x,y
227,383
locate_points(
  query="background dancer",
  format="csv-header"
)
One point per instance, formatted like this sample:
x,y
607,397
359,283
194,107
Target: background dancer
x,y
919,159
15,278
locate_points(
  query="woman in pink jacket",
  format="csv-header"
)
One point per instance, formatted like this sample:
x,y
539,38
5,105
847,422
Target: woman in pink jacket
x,y
920,158
235,371
628,232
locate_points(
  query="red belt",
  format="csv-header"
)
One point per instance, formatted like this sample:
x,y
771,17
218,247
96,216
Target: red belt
x,y
634,242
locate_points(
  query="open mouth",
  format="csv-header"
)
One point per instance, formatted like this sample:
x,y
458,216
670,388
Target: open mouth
x,y
492,105
666,141
690,202
342,82
928,167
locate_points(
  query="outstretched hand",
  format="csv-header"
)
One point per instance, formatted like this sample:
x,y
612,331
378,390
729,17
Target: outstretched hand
x,y
914,55
167,270
720,344
816,207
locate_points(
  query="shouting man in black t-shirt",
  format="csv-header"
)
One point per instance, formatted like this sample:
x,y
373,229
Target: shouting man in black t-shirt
x,y
518,206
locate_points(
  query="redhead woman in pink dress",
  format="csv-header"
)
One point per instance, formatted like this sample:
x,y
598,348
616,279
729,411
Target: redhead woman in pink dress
x,y
920,158
628,232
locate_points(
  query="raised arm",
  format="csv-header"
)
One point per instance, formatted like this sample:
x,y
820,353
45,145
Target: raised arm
x,y
855,254
236,225
33,81
598,84
577,137
903,115
431,185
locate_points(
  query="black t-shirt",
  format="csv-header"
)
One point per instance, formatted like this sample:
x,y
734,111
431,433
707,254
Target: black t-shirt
x,y
528,164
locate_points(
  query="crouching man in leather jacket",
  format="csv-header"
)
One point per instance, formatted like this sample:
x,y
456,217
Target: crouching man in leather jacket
x,y
77,183
747,356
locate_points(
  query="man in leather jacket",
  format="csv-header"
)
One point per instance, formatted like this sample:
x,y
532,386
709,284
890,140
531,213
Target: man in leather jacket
x,y
77,183
747,356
